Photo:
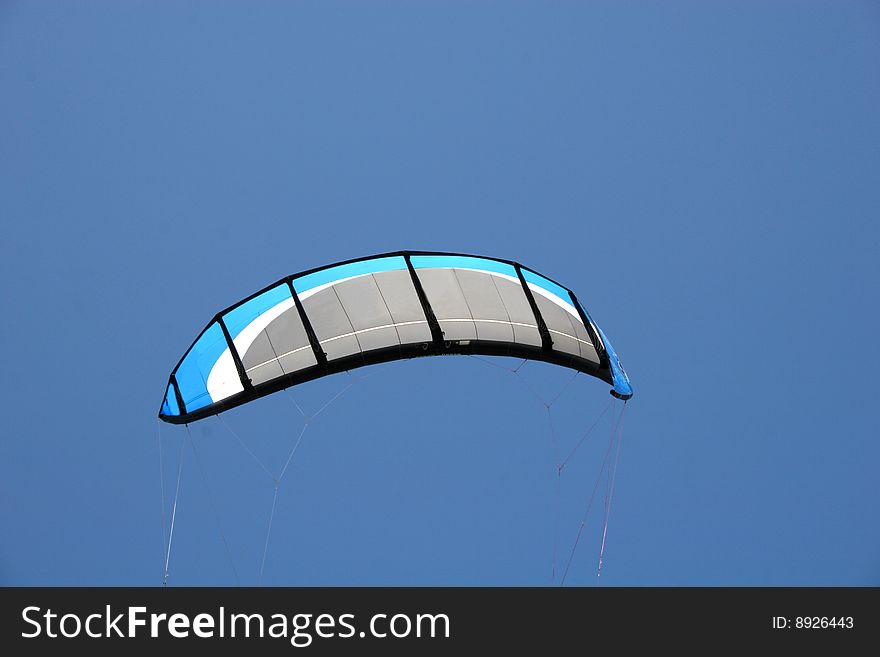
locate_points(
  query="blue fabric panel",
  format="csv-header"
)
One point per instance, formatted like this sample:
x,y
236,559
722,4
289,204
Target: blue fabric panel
x,y
359,268
169,406
621,381
192,374
462,262
550,286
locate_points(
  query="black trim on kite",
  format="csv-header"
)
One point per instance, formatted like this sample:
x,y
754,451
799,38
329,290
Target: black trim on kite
x,y
320,355
239,366
386,354
180,405
436,331
546,340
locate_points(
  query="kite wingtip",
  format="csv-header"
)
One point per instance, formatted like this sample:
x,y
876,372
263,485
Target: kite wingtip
x,y
623,397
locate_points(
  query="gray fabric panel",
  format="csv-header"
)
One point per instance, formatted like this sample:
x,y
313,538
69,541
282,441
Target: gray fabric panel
x,y
558,319
458,330
340,347
329,321
494,331
409,333
400,296
366,308
287,363
298,359
517,306
589,353
448,302
288,333
363,303
587,350
283,335
580,331
527,335
261,351
484,302
565,343
378,338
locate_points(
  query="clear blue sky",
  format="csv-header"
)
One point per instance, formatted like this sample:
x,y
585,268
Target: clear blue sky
x,y
706,176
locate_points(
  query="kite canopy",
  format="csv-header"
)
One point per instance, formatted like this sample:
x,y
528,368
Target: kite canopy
x,y
382,308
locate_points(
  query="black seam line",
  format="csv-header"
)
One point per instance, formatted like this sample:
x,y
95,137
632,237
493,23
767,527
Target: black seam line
x,y
382,296
245,381
436,331
466,304
354,331
546,340
320,356
588,324
178,396
506,312
272,347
